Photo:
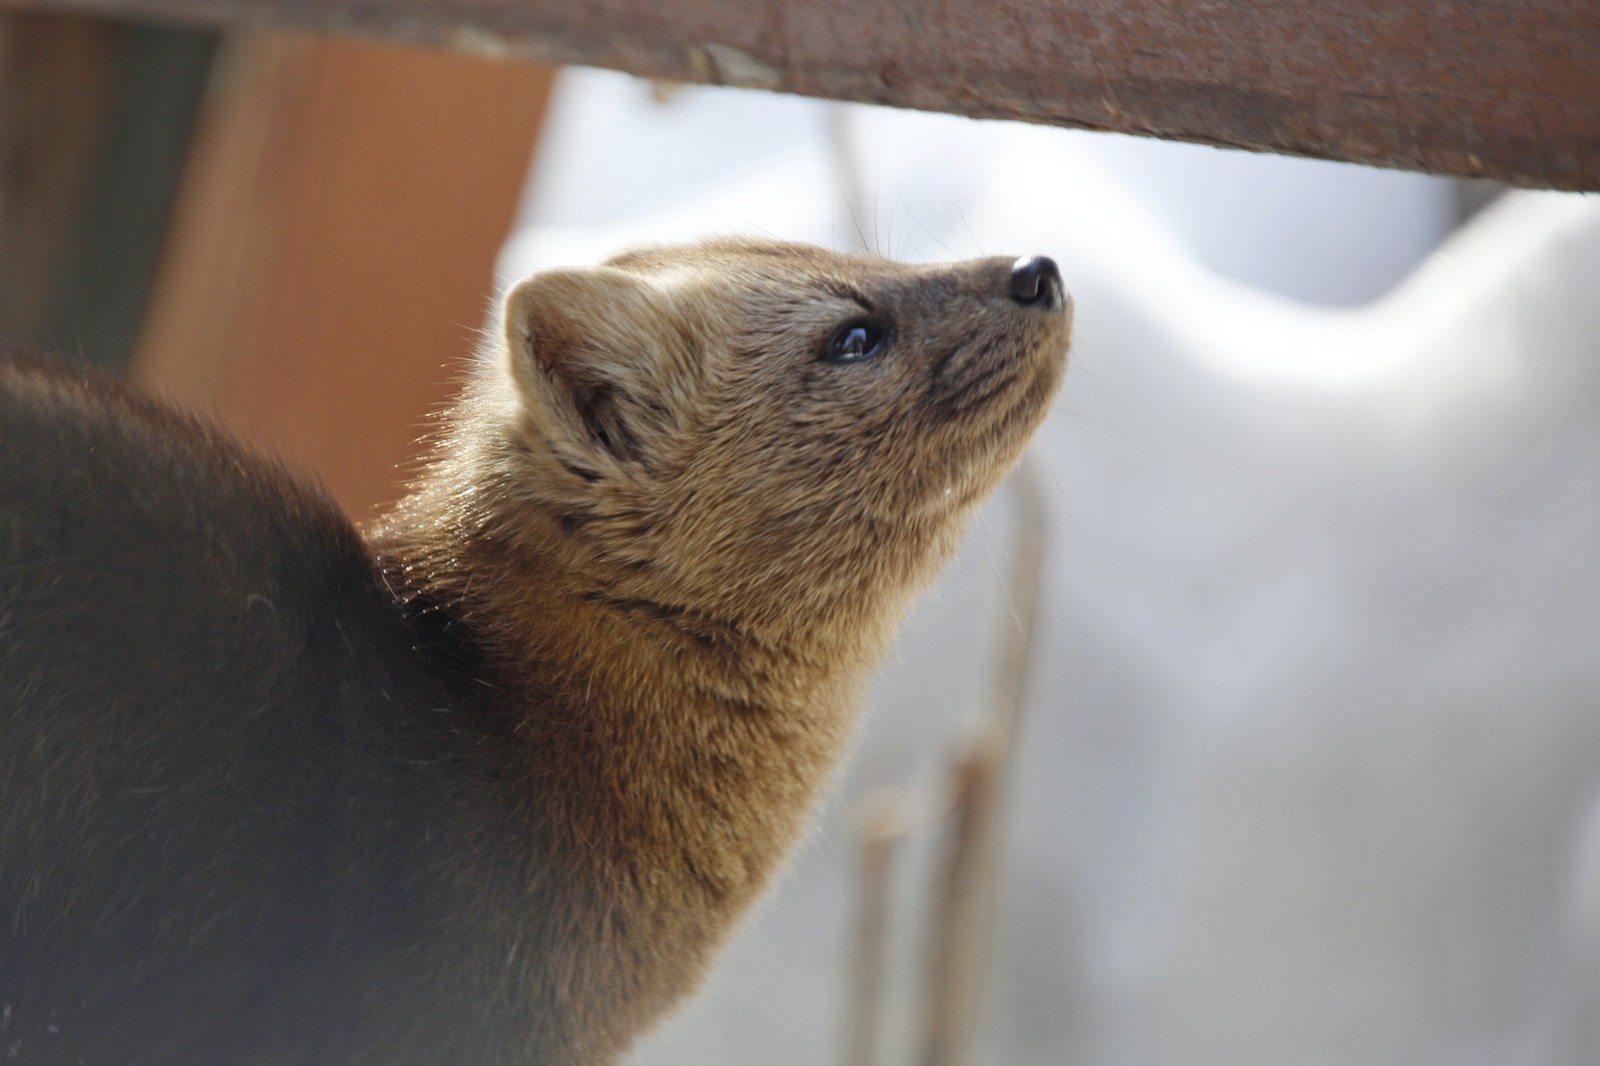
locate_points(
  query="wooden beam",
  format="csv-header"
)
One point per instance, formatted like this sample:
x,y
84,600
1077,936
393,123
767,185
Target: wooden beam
x,y
56,90
1502,89
161,74
95,119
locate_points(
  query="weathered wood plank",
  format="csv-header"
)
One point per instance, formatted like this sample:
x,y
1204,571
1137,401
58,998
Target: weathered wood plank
x,y
1504,89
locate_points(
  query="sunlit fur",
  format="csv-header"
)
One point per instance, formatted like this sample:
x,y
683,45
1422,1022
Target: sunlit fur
x,y
491,784
679,539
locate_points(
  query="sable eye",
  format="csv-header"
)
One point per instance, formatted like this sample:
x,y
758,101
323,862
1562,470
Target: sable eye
x,y
855,342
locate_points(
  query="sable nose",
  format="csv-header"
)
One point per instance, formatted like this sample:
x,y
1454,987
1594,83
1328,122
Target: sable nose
x,y
1036,279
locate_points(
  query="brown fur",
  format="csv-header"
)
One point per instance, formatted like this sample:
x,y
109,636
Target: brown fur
x,y
660,511
494,784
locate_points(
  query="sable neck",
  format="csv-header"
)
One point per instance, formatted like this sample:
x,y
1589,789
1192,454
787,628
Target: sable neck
x,y
667,759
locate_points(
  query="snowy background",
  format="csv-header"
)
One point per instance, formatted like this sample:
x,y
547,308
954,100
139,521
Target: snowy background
x,y
1311,769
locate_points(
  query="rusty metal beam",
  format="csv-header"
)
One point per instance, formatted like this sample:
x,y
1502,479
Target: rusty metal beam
x,y
1503,89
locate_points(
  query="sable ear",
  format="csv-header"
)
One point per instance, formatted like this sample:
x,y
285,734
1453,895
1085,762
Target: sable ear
x,y
583,348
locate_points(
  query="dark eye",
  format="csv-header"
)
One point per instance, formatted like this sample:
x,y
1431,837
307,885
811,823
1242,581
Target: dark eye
x,y
856,342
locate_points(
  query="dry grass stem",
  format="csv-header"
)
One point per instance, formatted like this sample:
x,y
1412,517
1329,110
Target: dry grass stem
x,y
881,827
961,919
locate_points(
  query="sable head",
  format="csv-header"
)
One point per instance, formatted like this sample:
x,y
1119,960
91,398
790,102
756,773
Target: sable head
x,y
772,430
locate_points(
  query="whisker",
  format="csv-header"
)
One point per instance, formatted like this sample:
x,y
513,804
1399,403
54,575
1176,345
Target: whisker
x,y
927,230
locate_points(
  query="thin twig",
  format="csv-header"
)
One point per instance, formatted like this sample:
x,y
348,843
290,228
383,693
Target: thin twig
x,y
960,929
881,827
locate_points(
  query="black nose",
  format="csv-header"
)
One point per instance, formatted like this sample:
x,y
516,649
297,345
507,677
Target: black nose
x,y
1036,280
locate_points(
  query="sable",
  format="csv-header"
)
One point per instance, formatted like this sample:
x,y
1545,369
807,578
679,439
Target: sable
x,y
492,781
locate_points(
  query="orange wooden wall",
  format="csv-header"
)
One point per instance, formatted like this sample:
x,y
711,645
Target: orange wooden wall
x,y
331,253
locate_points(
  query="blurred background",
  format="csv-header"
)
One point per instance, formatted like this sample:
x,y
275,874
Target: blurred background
x,y
1308,769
